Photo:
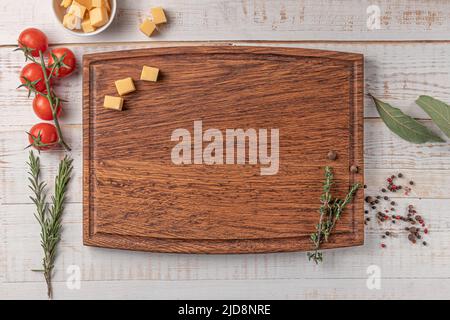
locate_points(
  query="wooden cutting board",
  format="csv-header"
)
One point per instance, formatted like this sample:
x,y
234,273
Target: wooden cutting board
x,y
136,197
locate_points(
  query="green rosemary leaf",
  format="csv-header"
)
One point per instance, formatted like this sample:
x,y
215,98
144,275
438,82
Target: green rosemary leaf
x,y
438,111
49,219
403,125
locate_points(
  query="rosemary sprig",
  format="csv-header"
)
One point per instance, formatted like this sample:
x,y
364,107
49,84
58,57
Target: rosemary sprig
x,y
49,218
330,211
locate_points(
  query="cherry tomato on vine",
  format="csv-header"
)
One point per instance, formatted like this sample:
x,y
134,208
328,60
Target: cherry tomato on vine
x,y
46,132
42,108
69,60
33,72
33,39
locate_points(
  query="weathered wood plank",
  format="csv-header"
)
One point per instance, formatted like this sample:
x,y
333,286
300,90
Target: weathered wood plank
x,y
311,289
385,153
397,73
248,20
400,260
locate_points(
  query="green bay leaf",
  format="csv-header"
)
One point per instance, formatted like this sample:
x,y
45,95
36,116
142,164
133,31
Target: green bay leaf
x,y
438,111
403,125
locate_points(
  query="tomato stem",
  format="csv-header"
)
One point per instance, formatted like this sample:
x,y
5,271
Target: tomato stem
x,y
49,97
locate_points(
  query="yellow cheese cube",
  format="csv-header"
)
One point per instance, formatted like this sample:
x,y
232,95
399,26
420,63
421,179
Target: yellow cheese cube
x,y
86,3
71,22
107,5
147,27
87,26
158,15
149,74
77,10
115,103
125,86
66,3
99,17
98,3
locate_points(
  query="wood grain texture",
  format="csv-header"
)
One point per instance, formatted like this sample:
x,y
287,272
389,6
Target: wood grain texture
x,y
401,260
136,198
287,289
395,71
206,20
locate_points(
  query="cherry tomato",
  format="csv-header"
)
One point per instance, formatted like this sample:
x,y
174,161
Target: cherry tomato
x,y
69,60
47,133
42,108
34,39
33,72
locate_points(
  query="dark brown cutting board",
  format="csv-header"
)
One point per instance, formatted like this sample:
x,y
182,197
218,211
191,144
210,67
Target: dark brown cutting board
x,y
136,198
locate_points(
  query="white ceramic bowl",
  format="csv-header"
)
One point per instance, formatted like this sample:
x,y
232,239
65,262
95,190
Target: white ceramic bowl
x,y
61,11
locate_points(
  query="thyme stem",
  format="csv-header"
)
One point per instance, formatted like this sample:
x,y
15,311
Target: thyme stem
x,y
330,212
49,96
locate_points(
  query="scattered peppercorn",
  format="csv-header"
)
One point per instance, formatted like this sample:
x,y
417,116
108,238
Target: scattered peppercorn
x,y
406,221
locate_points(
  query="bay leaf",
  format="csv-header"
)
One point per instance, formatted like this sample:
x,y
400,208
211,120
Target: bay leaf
x,y
438,111
403,125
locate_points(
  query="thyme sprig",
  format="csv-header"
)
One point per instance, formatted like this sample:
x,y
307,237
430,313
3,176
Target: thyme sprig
x,y
49,217
330,211
50,95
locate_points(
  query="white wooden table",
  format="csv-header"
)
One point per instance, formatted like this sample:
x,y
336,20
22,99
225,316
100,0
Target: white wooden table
x,y
408,56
